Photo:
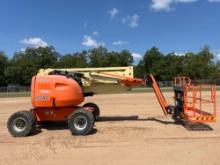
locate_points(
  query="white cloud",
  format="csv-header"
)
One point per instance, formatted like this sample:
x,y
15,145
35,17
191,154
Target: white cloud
x,y
95,33
132,21
158,5
23,49
116,43
136,56
88,41
34,42
113,12
166,5
179,54
216,54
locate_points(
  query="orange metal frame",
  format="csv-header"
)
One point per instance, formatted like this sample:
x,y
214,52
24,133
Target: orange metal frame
x,y
194,103
55,114
128,81
181,81
160,97
193,108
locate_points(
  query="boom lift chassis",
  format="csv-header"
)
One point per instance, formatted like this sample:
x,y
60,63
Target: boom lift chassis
x,y
191,103
57,95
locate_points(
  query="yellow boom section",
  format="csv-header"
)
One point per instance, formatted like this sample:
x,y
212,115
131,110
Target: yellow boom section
x,y
105,75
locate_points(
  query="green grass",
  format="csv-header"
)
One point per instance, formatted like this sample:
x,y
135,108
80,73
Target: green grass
x,y
109,89
14,94
101,89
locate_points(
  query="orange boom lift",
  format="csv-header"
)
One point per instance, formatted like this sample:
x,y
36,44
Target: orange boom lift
x,y
57,96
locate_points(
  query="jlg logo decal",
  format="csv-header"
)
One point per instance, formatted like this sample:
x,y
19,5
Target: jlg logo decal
x,y
41,98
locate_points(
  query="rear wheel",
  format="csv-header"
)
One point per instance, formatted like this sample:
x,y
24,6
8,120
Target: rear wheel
x,y
21,124
96,110
81,122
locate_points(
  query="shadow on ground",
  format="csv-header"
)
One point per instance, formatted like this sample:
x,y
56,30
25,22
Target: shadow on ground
x,y
191,126
186,124
53,126
118,118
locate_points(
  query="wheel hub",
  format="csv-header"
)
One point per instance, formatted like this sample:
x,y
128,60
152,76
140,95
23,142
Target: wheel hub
x,y
19,124
80,123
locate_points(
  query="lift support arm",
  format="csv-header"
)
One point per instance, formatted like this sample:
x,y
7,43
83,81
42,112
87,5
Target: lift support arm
x,y
160,97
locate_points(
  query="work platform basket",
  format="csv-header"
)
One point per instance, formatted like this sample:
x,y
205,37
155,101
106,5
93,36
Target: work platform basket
x,y
193,102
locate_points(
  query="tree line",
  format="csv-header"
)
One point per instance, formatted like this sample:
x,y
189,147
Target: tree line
x,y
24,64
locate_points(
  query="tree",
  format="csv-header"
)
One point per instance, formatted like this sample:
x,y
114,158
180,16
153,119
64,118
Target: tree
x,y
100,57
118,59
125,58
110,59
169,66
151,63
3,65
201,65
195,66
25,64
96,57
76,60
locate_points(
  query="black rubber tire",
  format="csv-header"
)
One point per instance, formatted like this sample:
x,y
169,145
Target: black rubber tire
x,y
96,110
30,122
86,115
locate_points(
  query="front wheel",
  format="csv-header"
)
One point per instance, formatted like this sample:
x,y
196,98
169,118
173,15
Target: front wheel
x,y
21,124
81,122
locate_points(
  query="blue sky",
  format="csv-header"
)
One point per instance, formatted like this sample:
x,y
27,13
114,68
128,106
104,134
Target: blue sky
x,y
137,25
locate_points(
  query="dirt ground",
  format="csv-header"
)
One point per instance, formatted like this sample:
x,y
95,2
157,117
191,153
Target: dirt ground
x,y
132,131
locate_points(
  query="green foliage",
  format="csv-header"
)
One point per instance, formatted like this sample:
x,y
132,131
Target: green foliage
x,y
76,60
3,66
195,66
96,56
115,59
24,65
100,57
200,66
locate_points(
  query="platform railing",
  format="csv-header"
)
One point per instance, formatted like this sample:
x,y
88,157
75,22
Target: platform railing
x,y
181,81
200,103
